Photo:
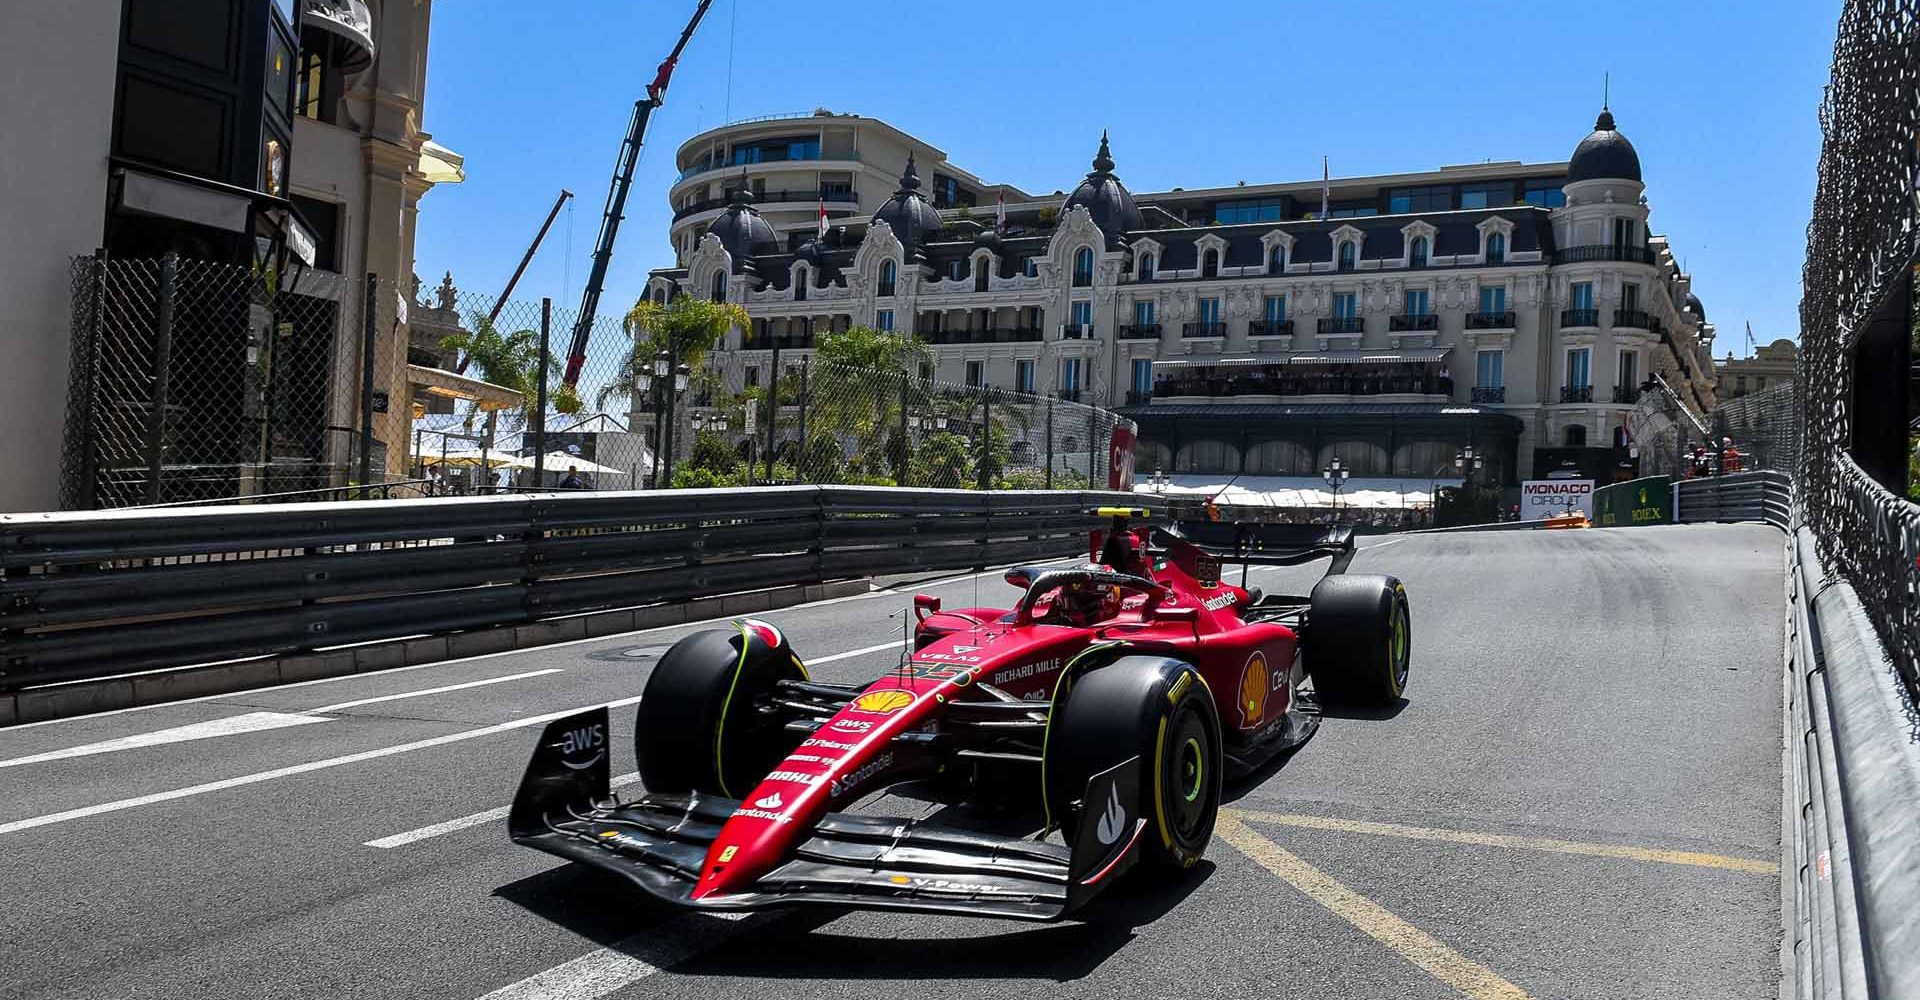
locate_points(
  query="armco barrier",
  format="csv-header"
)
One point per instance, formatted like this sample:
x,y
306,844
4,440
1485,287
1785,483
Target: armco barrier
x,y
1742,496
1851,837
99,593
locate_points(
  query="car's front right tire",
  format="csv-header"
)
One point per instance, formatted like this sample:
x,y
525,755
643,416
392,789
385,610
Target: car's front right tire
x,y
697,728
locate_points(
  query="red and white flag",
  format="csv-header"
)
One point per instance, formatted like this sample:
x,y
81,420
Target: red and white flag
x,y
823,217
1000,211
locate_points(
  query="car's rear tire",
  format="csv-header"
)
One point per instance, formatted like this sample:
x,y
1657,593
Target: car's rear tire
x,y
696,729
1358,640
1160,710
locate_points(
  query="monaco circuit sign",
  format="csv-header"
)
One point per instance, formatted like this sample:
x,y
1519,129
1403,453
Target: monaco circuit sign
x,y
1544,498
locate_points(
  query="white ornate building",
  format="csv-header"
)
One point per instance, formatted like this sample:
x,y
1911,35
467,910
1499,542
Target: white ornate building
x,y
1516,307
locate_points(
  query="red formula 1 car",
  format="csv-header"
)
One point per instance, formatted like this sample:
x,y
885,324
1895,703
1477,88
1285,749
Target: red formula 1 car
x,y
1108,704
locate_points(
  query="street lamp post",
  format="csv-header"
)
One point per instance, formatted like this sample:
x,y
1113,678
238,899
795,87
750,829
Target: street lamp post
x,y
681,373
1336,478
662,365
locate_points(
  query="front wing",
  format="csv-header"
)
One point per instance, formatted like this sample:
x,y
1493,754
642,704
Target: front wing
x,y
660,843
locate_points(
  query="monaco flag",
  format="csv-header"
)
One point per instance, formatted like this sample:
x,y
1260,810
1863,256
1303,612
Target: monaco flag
x,y
1000,211
823,217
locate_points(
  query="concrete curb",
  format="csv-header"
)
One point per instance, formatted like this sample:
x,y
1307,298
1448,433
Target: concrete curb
x,y
157,687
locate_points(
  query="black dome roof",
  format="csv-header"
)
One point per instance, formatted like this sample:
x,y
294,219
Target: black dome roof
x,y
912,218
741,229
1604,153
1693,303
1104,197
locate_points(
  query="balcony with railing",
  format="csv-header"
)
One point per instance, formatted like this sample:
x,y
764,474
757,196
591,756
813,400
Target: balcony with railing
x,y
834,196
1632,319
1068,395
1489,393
1139,331
1413,322
1340,324
1502,320
1579,317
1626,394
1139,397
1576,394
780,341
1270,328
1203,330
988,335
1243,384
1603,251
1076,331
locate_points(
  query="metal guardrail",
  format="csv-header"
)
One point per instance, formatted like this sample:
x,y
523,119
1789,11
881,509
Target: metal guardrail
x,y
1741,496
97,593
1852,884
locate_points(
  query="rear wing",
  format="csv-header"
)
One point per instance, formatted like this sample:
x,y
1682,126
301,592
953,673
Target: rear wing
x,y
1267,544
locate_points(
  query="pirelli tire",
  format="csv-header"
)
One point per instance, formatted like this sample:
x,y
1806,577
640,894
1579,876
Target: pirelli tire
x,y
1160,710
1358,640
697,729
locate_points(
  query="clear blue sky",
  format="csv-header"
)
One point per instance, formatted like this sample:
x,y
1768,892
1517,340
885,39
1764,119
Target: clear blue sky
x,y
1720,98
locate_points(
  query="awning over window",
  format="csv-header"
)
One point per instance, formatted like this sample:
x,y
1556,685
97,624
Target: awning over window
x,y
352,23
1411,355
440,382
442,165
201,205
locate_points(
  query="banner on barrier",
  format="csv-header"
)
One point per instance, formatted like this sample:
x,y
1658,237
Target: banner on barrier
x,y
1635,502
1544,498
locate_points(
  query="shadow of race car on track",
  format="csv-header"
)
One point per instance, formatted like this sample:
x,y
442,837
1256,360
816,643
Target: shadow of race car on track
x,y
1101,714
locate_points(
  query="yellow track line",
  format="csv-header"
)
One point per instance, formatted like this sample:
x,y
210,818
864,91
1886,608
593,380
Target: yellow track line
x,y
1415,945
1752,866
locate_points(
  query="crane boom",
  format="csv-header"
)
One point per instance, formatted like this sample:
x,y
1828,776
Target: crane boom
x,y
617,197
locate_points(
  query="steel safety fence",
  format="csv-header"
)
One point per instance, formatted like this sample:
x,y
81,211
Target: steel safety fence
x,y
91,594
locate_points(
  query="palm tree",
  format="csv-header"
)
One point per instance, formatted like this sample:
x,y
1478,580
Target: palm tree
x,y
860,378
505,359
688,327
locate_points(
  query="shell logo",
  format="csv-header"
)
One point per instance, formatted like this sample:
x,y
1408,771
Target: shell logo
x,y
883,702
1253,689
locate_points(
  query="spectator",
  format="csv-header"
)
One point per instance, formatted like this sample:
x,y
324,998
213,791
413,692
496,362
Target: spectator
x,y
572,480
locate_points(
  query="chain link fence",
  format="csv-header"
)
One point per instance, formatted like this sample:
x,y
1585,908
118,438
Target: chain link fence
x,y
1765,428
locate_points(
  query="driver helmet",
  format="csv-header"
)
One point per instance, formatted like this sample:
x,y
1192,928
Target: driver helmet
x,y
1083,602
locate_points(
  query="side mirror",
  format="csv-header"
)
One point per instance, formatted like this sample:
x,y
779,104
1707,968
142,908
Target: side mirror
x,y
1020,576
924,605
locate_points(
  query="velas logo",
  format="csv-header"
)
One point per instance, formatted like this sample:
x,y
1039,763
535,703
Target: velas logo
x,y
1253,689
883,702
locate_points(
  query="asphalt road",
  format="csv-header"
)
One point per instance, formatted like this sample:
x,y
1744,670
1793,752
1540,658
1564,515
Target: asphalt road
x,y
1580,798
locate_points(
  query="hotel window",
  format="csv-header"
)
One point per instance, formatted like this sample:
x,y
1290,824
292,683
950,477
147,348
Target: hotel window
x,y
1493,298
1438,198
956,270
1624,231
1210,264
1229,213
883,319
1417,253
319,83
1416,302
1583,295
800,284
1070,374
1082,314
1209,310
1276,311
1348,253
1490,369
753,376
976,372
1580,368
1031,268
1083,267
1576,436
1496,248
1486,195
1346,305
1545,192
887,274
1629,369
926,371
1143,312
1142,374
720,286
1277,259
1023,376
1146,267
1630,296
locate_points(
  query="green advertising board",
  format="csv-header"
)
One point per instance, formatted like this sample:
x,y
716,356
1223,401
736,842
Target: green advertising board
x,y
1634,502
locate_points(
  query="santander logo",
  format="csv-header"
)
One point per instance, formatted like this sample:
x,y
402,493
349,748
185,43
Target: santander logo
x,y
770,802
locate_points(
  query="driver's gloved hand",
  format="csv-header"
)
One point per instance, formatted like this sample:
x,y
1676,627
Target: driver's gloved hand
x,y
1254,595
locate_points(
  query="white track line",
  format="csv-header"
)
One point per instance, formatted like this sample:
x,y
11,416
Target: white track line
x,y
252,722
343,706
284,772
464,822
513,652
814,661
629,960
